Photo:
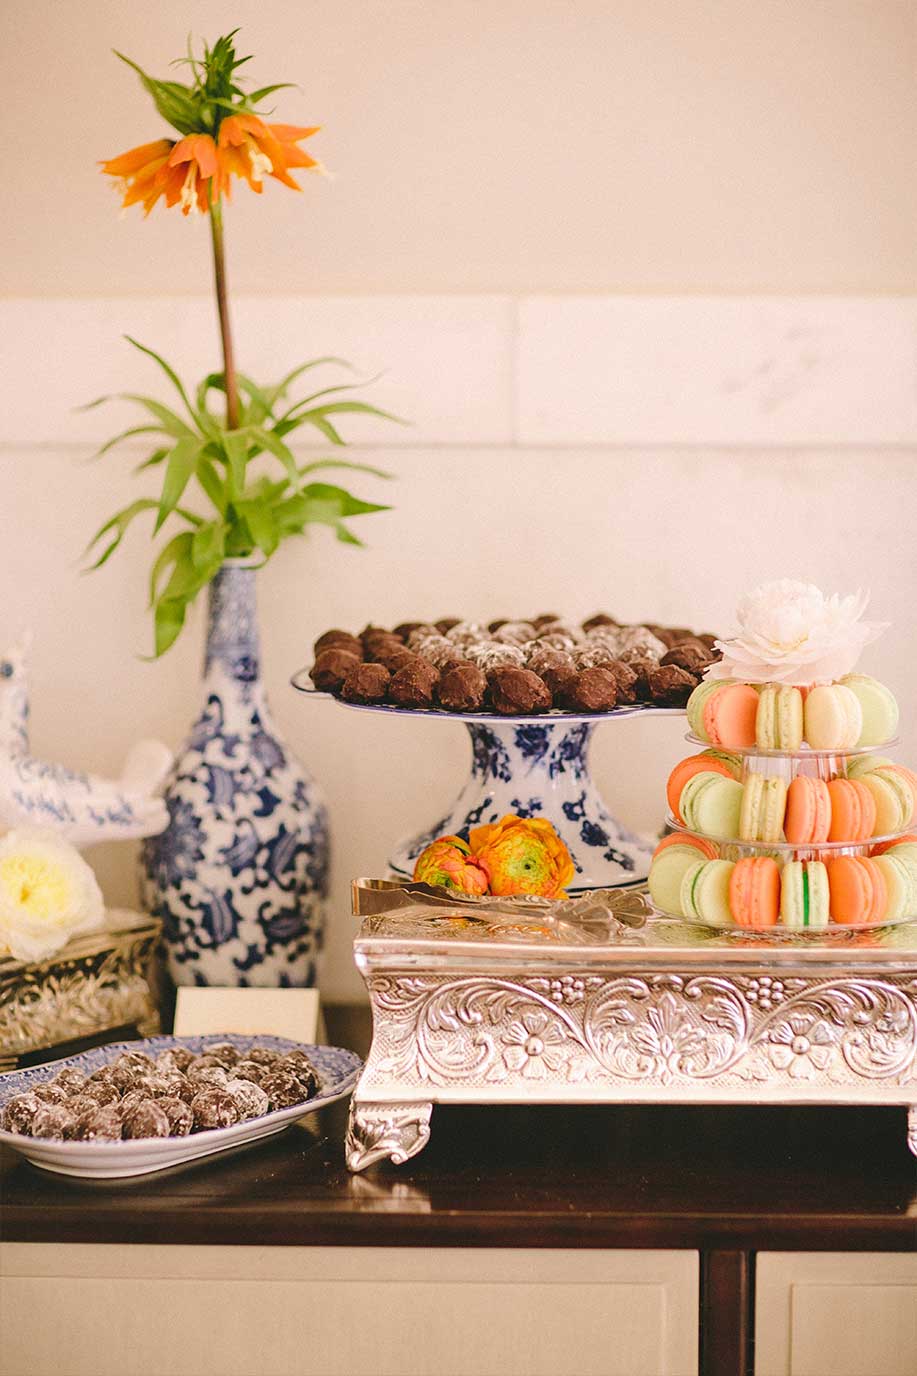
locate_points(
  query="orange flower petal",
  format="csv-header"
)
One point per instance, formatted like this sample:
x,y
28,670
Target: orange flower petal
x,y
287,133
198,148
126,164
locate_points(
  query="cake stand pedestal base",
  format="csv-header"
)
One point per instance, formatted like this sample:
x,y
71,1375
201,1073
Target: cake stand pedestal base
x,y
540,768
663,1013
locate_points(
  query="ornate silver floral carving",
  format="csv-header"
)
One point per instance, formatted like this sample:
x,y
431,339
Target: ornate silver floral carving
x,y
376,1132
96,983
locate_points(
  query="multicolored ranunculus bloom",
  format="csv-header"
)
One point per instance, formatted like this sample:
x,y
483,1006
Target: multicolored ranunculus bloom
x,y
523,855
449,864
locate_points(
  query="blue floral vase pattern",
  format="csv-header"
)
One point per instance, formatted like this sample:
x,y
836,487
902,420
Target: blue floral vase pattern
x,y
240,875
541,770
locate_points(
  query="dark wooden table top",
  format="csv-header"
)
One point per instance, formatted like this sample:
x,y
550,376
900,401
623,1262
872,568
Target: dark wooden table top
x,y
704,1178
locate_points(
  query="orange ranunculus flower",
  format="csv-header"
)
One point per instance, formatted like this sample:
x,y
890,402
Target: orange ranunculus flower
x,y
523,855
448,864
251,149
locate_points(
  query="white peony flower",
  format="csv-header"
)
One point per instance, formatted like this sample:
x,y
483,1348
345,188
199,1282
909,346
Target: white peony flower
x,y
791,633
47,893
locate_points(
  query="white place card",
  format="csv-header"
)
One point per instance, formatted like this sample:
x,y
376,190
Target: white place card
x,y
292,1013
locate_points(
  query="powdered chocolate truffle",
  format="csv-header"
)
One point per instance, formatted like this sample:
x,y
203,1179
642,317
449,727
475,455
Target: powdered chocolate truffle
x,y
56,1120
341,640
148,1119
670,686
592,690
554,667
105,1124
51,1093
102,1091
366,683
404,628
491,654
284,1089
250,1098
262,1055
214,1108
462,688
18,1113
70,1078
600,619
413,685
515,692
181,1119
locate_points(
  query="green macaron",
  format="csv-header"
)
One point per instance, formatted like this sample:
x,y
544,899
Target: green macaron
x,y
710,804
696,703
667,870
879,707
778,724
705,892
762,809
804,894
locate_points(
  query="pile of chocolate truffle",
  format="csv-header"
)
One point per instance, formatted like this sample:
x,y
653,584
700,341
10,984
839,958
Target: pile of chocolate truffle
x,y
170,1096
514,667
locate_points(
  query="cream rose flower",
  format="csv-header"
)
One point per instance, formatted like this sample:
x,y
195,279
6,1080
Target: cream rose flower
x,y
791,633
47,893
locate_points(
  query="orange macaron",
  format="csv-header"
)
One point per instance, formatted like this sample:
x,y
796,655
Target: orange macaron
x,y
730,715
853,810
808,811
858,890
685,770
687,838
883,846
754,892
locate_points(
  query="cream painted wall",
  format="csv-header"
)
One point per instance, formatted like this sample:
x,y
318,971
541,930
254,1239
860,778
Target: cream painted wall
x,y
490,145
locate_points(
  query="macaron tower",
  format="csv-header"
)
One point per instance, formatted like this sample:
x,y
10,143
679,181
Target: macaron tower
x,y
789,814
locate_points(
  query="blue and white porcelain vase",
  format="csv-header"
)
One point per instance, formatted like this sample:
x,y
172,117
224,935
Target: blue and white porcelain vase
x,y
540,769
239,876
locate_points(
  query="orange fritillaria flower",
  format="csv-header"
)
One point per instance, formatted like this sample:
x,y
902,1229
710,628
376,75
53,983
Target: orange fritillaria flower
x,y
251,149
193,163
138,171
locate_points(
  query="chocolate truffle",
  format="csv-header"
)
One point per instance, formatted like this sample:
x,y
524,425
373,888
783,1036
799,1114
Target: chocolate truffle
x,y
404,629
592,690
299,1063
55,1120
462,688
224,1052
600,619
181,1119
102,1091
366,683
642,668
490,654
104,1123
670,686
50,1093
69,1079
556,640
691,656
544,619
593,654
250,1098
249,1070
412,686
709,639
207,1076
380,646
516,692
625,681
493,626
341,640
448,623
554,667
18,1113
396,658
637,642
178,1057
132,1100
284,1089
147,1120
467,633
262,1055
331,668
515,633
214,1108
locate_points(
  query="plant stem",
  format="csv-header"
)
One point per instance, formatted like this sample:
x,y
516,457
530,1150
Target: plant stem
x,y
219,278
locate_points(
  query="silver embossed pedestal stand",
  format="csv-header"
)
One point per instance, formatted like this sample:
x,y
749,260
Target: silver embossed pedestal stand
x,y
474,1005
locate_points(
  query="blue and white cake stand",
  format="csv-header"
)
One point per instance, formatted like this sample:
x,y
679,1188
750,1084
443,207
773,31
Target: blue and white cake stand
x,y
533,766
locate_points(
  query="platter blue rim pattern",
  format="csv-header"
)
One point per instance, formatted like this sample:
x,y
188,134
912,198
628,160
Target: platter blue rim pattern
x,y
338,1069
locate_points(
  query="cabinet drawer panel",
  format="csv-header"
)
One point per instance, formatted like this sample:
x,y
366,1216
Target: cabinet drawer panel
x,y
592,1314
836,1314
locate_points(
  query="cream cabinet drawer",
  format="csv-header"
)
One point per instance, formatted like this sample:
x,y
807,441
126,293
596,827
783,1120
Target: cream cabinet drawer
x,y
836,1314
193,1311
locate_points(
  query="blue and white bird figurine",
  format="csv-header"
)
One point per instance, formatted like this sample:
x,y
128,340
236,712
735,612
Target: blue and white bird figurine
x,y
83,808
